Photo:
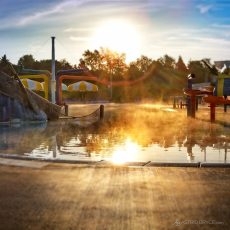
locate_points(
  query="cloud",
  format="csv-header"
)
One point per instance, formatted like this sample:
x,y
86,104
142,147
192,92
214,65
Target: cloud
x,y
27,16
221,26
81,39
204,8
58,8
214,42
80,29
64,10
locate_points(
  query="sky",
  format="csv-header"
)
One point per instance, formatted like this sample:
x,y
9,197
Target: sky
x,y
192,29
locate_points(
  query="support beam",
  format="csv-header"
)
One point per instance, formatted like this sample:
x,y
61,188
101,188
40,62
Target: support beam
x,y
212,112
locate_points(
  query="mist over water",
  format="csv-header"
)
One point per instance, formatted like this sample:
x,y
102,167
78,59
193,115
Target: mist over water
x,y
128,133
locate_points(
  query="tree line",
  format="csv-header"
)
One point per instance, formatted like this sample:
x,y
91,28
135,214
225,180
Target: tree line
x,y
166,76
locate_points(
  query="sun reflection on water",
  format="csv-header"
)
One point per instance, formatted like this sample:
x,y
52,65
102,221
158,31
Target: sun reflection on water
x,y
125,152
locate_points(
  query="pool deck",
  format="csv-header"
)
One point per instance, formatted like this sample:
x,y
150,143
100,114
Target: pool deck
x,y
45,195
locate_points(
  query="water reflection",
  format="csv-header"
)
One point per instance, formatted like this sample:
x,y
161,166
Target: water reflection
x,y
138,134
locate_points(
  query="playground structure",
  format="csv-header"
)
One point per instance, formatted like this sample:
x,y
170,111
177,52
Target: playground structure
x,y
19,104
70,77
63,79
214,95
42,76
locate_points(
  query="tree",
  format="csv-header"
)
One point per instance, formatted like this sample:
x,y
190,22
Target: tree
x,y
105,63
63,65
3,61
167,61
133,72
137,68
180,66
45,65
4,65
92,60
114,63
27,61
143,63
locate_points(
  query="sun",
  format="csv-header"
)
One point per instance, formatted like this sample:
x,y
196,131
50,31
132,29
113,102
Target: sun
x,y
120,36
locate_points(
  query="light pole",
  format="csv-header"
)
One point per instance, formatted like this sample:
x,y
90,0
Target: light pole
x,y
53,80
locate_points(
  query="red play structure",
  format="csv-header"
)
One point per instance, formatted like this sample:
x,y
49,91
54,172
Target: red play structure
x,y
208,97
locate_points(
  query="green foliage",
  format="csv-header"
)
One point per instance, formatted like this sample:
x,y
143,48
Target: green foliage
x,y
143,63
167,62
92,60
28,61
105,63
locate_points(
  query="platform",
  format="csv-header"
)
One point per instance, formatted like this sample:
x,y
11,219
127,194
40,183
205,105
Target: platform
x,y
73,196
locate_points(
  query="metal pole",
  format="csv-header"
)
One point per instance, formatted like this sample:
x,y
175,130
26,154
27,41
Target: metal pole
x,y
111,88
53,80
190,99
101,112
193,106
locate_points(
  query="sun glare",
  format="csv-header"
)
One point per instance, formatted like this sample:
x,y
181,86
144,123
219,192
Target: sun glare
x,y
125,152
120,36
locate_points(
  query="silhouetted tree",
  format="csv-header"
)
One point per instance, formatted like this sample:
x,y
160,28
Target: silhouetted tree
x,y
27,61
4,65
114,63
167,61
4,59
63,65
180,66
133,72
105,63
92,60
143,63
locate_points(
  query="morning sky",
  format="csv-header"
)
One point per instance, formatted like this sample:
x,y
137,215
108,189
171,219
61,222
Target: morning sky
x,y
194,29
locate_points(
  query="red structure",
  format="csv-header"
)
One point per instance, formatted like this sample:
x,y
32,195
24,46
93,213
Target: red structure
x,y
71,76
215,100
212,100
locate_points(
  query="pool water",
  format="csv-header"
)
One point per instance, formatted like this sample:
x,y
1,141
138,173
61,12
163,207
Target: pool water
x,y
128,133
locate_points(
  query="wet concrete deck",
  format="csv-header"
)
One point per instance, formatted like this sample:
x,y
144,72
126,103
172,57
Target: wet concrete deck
x,y
36,195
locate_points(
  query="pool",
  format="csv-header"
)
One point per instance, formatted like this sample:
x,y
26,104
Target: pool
x,y
128,133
